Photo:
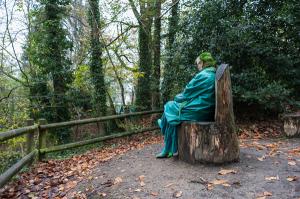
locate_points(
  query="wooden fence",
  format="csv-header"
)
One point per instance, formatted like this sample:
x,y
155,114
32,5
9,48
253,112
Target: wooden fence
x,y
41,131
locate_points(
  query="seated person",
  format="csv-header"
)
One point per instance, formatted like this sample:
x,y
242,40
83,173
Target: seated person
x,y
195,103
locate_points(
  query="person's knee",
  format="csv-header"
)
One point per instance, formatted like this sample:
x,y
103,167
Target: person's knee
x,y
169,104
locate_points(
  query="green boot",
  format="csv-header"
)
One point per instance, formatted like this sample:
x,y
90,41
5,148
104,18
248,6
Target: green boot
x,y
170,155
162,155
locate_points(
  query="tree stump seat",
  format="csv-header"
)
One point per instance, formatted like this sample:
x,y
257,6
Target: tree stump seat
x,y
291,124
212,142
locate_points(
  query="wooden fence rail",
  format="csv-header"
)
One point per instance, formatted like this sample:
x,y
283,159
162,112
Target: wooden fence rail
x,y
94,120
41,130
8,174
17,132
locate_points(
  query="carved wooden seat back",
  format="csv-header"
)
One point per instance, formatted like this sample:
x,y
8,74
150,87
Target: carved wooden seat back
x,y
224,105
212,142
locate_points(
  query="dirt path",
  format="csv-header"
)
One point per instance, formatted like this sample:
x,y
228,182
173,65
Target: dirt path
x,y
124,175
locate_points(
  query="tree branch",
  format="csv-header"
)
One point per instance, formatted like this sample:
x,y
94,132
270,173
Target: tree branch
x,y
8,95
174,4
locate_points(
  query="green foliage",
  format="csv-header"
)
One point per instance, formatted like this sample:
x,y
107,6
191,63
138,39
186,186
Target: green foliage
x,y
7,159
76,151
253,87
259,40
51,68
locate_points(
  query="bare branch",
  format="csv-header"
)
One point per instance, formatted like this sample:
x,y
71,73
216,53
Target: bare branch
x,y
8,95
11,39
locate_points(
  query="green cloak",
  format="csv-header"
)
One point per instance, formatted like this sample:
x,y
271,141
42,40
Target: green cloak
x,y
195,103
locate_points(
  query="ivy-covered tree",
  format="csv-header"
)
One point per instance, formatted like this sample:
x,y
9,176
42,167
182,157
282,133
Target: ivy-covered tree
x,y
156,56
48,52
145,18
96,66
168,71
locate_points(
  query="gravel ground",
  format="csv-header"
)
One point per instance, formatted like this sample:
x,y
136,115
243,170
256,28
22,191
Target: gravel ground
x,y
119,177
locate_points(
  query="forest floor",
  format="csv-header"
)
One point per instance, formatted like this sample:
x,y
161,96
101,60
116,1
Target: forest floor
x,y
127,168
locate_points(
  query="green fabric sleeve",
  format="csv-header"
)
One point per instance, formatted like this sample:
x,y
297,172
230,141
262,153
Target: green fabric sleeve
x,y
197,86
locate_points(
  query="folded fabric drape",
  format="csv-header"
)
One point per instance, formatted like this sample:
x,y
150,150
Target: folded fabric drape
x,y
195,103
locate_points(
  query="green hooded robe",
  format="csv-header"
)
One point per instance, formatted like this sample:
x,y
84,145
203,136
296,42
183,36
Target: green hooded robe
x,y
195,103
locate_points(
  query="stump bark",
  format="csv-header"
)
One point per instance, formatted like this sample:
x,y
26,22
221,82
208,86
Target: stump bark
x,y
212,142
292,124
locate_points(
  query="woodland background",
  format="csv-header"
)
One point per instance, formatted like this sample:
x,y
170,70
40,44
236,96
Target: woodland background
x,y
63,60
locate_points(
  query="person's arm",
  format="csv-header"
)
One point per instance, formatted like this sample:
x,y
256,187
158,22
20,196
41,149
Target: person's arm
x,y
197,86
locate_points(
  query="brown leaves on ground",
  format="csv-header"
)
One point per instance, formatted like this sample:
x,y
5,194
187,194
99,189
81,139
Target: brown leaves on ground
x,y
118,180
272,178
227,171
260,130
211,184
264,195
292,163
142,179
154,194
292,178
177,194
294,152
54,178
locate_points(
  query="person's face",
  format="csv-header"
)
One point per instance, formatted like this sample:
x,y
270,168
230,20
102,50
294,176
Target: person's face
x,y
199,63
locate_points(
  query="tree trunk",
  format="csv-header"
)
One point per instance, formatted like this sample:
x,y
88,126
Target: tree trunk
x,y
292,124
212,142
96,59
143,93
56,47
168,68
156,57
207,143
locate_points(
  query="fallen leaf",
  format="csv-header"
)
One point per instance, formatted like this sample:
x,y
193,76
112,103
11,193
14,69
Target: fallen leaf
x,y
201,181
118,180
292,163
262,158
141,177
218,182
266,193
272,178
142,184
227,171
226,185
177,194
71,184
210,186
168,185
102,194
154,194
261,197
292,178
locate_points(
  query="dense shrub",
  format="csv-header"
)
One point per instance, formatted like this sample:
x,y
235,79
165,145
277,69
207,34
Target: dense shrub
x,y
260,40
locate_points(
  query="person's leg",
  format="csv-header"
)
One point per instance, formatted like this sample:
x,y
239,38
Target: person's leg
x,y
170,138
162,123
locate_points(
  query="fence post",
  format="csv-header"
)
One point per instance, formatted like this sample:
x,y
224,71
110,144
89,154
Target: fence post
x,y
29,137
42,138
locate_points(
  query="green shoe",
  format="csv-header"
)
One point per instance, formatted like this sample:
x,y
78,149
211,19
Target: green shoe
x,y
162,155
170,155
